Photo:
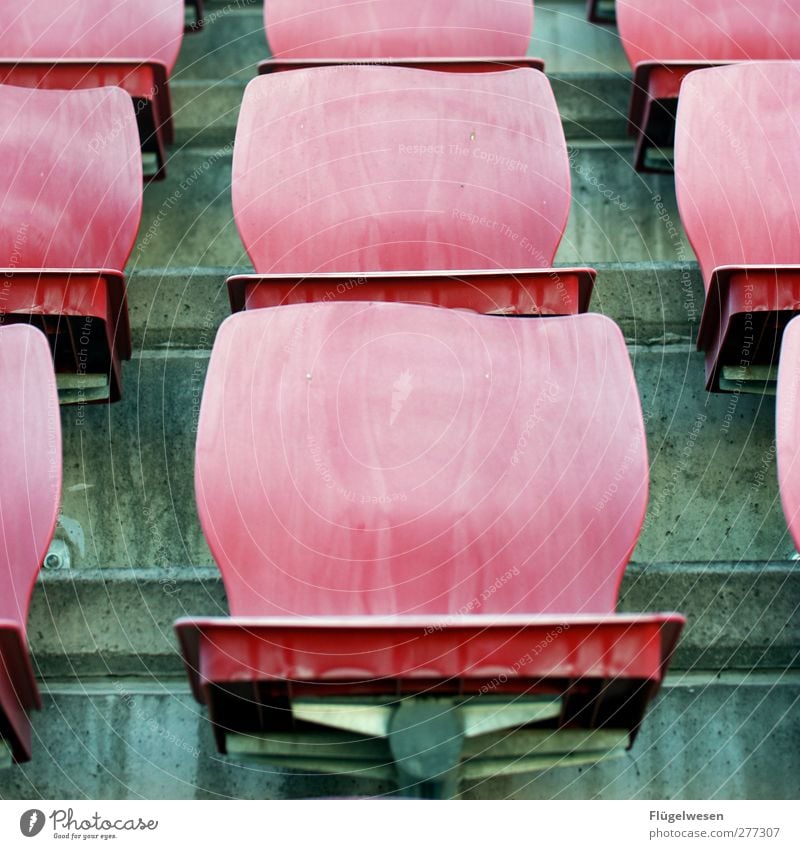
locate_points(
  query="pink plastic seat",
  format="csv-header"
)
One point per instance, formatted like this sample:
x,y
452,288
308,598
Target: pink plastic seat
x,y
70,206
787,426
409,503
198,16
403,184
30,490
666,39
457,35
133,44
737,174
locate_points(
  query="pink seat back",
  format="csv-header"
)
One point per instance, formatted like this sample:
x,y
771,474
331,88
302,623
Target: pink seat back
x,y
30,459
145,30
381,459
396,169
737,164
71,178
714,30
303,29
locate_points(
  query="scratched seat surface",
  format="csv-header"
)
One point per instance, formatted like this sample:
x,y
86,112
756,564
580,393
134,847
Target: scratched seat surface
x,y
30,488
70,188
377,459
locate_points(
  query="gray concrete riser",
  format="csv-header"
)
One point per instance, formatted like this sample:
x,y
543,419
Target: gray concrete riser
x,y
118,721
617,215
128,469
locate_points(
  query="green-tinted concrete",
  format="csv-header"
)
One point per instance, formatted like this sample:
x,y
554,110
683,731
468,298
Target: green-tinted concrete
x,y
119,722
726,737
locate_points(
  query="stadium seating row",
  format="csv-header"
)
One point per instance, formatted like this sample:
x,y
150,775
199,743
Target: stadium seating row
x,y
415,591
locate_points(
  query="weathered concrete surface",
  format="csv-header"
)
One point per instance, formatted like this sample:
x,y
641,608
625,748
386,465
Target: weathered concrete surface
x,y
233,43
618,215
731,737
119,621
713,481
568,42
593,106
706,738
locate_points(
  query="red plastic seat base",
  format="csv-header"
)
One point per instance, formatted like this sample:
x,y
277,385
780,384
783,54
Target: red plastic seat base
x,y
146,82
83,312
18,691
745,313
607,668
467,65
539,291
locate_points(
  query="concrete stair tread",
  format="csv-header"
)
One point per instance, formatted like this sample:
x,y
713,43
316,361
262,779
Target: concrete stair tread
x,y
119,620
616,215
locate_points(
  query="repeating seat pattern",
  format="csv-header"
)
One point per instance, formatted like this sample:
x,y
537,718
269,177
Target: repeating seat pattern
x,y
80,44
421,464
70,206
30,489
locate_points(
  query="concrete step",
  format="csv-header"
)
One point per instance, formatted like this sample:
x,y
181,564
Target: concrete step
x,y
586,64
617,215
707,736
128,488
